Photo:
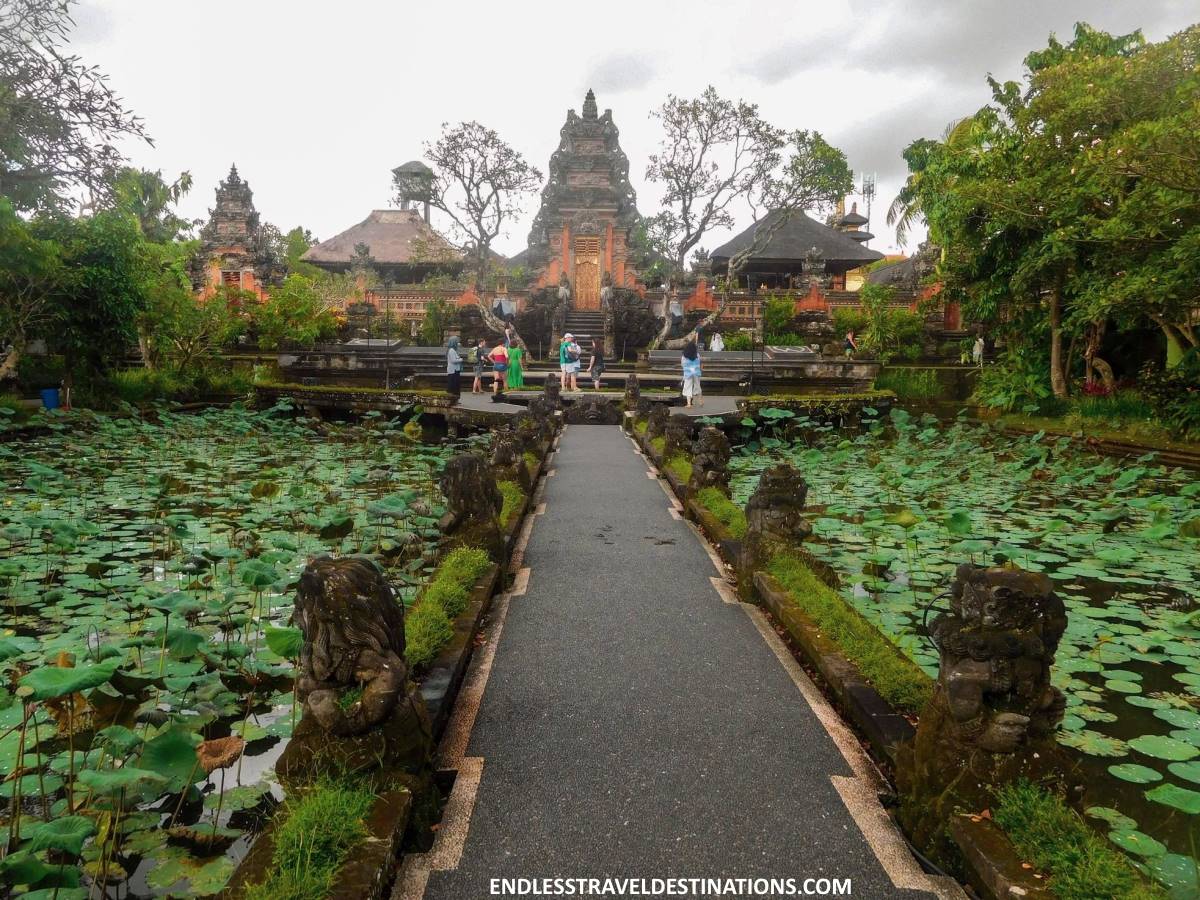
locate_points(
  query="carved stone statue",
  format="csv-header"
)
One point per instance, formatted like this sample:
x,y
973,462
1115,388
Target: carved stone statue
x,y
592,410
361,713
678,433
710,461
656,422
553,389
473,504
996,645
994,712
775,514
564,288
633,391
606,290
353,630
507,460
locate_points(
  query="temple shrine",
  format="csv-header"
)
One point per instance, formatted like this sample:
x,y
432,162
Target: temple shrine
x,y
232,251
588,208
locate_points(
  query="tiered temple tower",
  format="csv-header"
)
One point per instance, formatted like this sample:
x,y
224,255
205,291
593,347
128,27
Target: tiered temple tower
x,y
588,209
231,251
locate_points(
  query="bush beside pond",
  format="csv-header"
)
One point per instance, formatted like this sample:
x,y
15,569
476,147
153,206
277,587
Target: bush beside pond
x,y
428,626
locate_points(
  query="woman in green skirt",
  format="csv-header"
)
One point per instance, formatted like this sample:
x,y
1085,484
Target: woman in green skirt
x,y
516,373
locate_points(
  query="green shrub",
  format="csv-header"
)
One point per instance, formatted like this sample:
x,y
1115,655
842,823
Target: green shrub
x,y
787,339
514,499
426,631
1174,394
317,830
640,426
1121,407
681,467
740,340
17,410
849,318
1081,865
451,585
659,444
909,384
724,510
898,679
778,314
531,461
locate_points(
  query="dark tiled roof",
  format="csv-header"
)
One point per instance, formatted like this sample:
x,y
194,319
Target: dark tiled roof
x,y
898,272
795,238
395,236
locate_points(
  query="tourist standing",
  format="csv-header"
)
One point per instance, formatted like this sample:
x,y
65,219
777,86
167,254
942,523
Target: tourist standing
x,y
454,365
690,361
977,351
480,354
596,369
717,344
568,362
499,358
516,371
851,345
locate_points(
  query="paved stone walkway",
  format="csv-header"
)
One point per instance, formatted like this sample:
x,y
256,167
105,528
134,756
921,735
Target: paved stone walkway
x,y
628,718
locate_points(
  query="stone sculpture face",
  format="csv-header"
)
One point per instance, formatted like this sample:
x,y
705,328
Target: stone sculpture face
x,y
997,644
775,512
353,630
470,489
710,460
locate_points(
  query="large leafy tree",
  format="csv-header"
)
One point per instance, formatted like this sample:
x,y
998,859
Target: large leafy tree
x,y
1049,231
107,274
60,121
300,311
718,156
149,199
30,271
479,183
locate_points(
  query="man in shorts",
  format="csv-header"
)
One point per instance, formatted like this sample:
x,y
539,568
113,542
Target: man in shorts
x,y
568,362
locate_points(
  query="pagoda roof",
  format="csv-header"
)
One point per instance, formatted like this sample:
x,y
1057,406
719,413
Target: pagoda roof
x,y
794,240
395,237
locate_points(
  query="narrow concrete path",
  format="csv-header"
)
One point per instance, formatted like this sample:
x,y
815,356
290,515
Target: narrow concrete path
x,y
628,718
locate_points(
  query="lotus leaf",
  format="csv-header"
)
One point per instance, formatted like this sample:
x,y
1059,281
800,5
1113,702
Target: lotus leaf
x,y
1164,748
57,681
113,780
1180,798
1135,773
66,833
1188,771
1118,820
1137,842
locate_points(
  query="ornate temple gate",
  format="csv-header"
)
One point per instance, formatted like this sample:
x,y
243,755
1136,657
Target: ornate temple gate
x,y
587,272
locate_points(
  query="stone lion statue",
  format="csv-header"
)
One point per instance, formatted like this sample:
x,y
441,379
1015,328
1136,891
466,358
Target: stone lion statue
x,y
775,513
997,644
353,631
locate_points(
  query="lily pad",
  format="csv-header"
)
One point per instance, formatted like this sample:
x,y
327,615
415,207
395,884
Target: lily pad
x,y
1164,748
1137,842
1179,797
1135,773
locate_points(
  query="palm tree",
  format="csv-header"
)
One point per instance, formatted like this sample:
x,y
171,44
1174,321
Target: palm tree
x,y
906,210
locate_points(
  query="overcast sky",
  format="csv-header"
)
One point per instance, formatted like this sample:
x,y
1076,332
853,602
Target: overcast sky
x,y
317,102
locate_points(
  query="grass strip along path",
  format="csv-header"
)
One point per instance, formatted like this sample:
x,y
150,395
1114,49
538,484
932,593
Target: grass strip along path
x,y
628,718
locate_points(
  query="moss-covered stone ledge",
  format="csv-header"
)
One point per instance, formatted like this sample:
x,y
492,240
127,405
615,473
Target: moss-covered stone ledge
x,y
818,404
352,399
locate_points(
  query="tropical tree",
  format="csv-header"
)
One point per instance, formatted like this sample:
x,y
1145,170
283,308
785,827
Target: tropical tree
x,y
717,156
30,271
107,273
149,199
1048,231
300,312
60,121
184,329
478,183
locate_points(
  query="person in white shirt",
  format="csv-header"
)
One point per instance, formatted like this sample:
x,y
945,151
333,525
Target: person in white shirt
x,y
717,344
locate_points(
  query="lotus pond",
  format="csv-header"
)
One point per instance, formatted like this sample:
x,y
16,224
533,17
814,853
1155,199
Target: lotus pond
x,y
898,505
144,567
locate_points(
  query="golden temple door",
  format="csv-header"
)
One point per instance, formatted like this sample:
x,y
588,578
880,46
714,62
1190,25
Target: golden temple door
x,y
587,273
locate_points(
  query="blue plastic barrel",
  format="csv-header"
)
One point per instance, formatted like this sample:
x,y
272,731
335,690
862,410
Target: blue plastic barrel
x,y
50,398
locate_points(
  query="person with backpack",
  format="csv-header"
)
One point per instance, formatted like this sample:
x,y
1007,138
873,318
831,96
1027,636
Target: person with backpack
x,y
478,356
568,362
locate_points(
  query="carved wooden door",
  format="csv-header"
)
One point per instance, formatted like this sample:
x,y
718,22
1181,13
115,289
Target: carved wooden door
x,y
587,273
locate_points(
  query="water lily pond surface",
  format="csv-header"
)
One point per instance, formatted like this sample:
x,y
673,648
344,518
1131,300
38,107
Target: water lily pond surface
x,y
898,505
146,571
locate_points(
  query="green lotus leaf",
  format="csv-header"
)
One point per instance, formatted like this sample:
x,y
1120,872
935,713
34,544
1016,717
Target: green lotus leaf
x,y
1180,718
1177,872
1188,771
108,781
1118,820
1124,687
285,642
1136,842
58,681
1134,773
1093,743
1180,798
172,755
66,833
1164,748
